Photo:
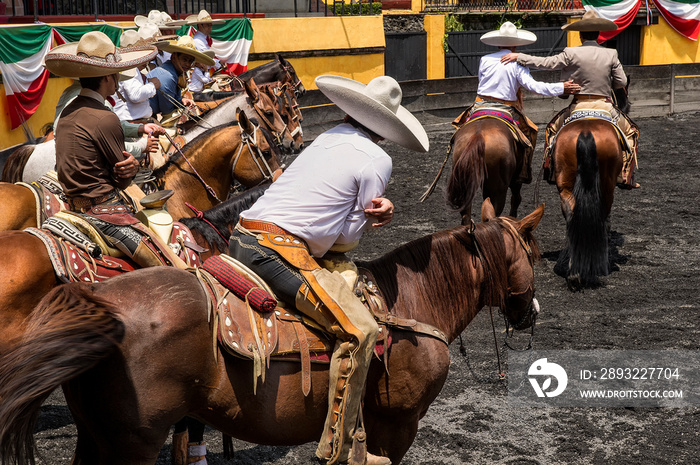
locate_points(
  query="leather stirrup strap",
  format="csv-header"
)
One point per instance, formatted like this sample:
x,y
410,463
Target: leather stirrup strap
x,y
305,357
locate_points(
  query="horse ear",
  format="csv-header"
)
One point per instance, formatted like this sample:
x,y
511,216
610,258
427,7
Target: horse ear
x,y
243,120
530,222
487,210
252,90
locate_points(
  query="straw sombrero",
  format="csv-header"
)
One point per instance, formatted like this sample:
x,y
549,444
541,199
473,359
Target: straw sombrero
x,y
591,22
160,19
202,18
376,106
185,44
94,55
508,35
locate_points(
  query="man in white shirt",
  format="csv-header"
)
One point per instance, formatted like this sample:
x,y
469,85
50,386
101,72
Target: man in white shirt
x,y
500,87
203,23
323,202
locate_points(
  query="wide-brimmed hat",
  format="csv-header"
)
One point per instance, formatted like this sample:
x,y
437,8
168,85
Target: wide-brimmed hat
x,y
508,35
148,34
185,44
377,106
160,19
94,55
202,18
591,22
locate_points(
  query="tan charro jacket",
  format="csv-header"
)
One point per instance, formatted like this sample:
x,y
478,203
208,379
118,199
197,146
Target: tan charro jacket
x,y
595,68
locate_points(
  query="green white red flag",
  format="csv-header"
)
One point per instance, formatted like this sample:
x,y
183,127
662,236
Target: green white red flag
x,y
681,15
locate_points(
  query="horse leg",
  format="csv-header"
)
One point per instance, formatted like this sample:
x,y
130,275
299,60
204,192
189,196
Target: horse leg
x,y
515,198
391,437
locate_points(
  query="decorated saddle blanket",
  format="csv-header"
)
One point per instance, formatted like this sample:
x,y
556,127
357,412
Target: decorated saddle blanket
x,y
75,257
526,134
262,329
49,200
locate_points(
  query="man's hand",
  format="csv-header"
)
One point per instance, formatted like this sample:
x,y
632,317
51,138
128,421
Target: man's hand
x,y
189,103
127,168
155,81
509,57
382,212
153,129
151,145
570,87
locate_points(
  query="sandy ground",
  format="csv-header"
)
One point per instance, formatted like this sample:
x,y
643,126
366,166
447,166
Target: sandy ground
x,y
649,301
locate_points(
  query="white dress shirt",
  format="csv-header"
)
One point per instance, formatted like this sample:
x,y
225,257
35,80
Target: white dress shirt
x,y
199,79
202,45
502,81
136,92
321,197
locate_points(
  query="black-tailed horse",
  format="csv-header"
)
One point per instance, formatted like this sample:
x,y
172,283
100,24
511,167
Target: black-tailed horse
x,y
132,366
587,161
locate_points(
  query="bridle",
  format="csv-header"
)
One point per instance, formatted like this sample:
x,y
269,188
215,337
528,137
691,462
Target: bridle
x,y
256,153
292,78
278,135
533,308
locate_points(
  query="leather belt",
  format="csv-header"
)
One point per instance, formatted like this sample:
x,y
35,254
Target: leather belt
x,y
264,226
578,98
85,203
483,98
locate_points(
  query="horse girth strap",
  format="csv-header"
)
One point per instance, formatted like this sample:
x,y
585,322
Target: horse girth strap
x,y
372,297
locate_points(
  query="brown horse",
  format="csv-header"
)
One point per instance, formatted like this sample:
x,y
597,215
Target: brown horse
x,y
485,154
236,151
587,161
288,108
130,368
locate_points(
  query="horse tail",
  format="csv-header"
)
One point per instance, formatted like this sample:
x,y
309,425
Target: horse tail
x,y
69,332
586,229
14,166
468,173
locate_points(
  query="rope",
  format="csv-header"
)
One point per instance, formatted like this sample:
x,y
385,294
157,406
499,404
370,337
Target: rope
x,y
200,216
204,183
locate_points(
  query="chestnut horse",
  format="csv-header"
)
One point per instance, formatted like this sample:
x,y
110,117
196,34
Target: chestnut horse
x,y
219,156
131,367
587,162
485,155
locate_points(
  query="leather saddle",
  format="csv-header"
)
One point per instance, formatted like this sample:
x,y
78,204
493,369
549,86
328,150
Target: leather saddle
x,y
283,334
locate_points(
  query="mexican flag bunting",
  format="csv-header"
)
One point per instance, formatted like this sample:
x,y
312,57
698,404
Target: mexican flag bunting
x,y
231,42
22,51
681,15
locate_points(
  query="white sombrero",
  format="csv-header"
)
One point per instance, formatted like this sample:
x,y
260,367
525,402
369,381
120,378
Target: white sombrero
x,y
376,106
185,44
94,55
202,18
148,34
591,22
508,35
160,19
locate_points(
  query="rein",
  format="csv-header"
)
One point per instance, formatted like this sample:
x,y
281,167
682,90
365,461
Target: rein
x,y
509,327
204,183
200,216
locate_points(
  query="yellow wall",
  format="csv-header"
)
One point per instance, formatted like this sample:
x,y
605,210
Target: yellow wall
x,y
662,45
43,115
272,35
435,32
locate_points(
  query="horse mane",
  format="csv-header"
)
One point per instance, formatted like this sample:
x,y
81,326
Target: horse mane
x,y
189,147
223,216
431,269
14,166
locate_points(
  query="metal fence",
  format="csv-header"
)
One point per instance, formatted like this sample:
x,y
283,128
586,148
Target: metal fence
x,y
499,5
97,8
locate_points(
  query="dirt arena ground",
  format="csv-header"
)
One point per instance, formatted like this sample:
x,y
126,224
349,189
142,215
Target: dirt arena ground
x,y
649,301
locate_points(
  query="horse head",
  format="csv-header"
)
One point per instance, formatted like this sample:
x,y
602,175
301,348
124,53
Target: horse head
x,y
262,155
291,76
521,307
288,109
268,115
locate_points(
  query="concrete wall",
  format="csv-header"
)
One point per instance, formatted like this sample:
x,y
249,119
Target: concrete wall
x,y
654,91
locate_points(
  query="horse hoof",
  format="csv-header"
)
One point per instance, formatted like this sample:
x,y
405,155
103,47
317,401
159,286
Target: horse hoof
x,y
574,283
